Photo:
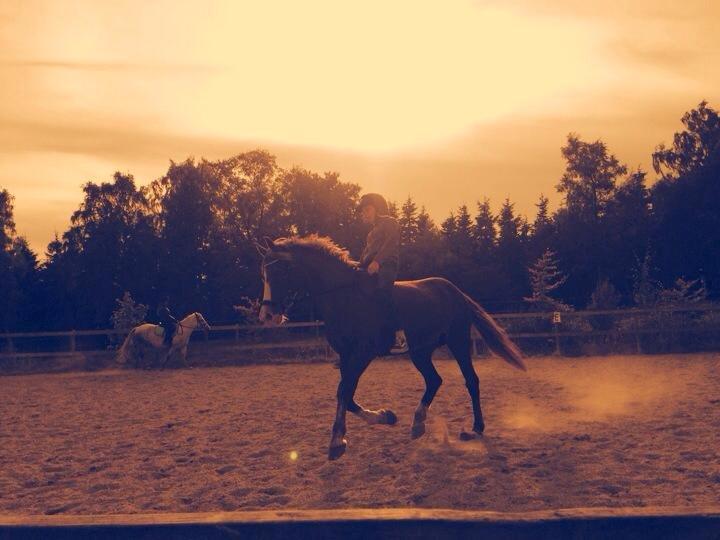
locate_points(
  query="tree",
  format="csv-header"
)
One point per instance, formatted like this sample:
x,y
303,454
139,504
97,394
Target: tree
x,y
7,223
424,223
542,228
393,209
605,296
545,279
462,239
110,247
686,202
626,227
484,230
509,226
425,256
695,147
245,193
18,272
408,222
589,178
324,205
189,232
511,254
448,227
128,313
542,217
646,290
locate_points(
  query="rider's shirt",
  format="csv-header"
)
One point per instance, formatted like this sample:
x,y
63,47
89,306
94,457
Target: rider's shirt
x,y
383,243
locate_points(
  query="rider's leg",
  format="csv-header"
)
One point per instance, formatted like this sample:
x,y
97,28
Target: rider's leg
x,y
169,333
391,341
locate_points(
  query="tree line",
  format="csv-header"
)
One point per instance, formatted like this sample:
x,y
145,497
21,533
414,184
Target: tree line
x,y
189,236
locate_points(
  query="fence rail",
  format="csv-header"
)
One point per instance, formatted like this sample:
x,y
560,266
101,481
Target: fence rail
x,y
551,328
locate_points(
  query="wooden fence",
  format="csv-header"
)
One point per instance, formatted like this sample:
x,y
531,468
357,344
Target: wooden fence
x,y
637,330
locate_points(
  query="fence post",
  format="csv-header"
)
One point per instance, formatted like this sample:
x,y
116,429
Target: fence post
x,y
73,345
237,333
556,323
638,345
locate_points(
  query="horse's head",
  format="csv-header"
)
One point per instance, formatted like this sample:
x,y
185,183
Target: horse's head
x,y
312,264
279,281
201,322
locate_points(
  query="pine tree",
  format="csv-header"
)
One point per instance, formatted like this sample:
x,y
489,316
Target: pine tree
x,y
463,230
408,222
645,289
542,218
425,223
393,209
484,230
449,227
545,278
605,296
508,223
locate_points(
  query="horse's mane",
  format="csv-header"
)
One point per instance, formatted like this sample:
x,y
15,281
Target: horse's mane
x,y
317,244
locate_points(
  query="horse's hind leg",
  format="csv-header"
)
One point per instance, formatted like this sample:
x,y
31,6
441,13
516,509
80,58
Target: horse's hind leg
x,y
422,359
459,343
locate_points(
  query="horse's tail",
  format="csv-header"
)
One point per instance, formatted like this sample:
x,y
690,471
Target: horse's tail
x,y
122,355
494,336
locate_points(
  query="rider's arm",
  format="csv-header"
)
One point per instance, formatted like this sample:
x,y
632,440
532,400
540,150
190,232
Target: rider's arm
x,y
390,246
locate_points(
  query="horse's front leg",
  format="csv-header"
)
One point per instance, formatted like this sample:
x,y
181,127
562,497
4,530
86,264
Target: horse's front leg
x,y
350,371
338,443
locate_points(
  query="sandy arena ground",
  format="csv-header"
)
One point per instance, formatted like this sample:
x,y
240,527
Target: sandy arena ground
x,y
614,431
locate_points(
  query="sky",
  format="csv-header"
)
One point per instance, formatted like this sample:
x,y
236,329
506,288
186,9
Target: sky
x,y
448,102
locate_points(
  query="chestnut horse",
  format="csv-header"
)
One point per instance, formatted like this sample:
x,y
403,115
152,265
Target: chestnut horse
x,y
432,312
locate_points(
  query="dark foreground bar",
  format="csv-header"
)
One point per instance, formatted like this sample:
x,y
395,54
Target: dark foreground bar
x,y
578,523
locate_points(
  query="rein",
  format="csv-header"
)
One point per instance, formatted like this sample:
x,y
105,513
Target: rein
x,y
179,324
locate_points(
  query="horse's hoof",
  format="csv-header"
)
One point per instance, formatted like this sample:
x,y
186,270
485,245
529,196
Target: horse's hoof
x,y
476,433
389,417
336,452
418,430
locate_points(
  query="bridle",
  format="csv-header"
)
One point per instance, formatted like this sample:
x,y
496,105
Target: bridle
x,y
197,320
273,303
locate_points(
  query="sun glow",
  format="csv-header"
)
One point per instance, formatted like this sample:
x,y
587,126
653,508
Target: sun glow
x,y
370,76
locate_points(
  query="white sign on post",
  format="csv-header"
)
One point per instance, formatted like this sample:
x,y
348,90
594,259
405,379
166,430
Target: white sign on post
x,y
556,317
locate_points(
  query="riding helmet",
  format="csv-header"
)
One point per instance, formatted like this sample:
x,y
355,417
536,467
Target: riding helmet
x,y
376,200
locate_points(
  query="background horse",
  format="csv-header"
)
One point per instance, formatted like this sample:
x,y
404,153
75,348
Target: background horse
x,y
149,337
433,312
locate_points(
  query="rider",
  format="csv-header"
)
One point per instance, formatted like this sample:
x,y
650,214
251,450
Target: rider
x,y
381,258
166,321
